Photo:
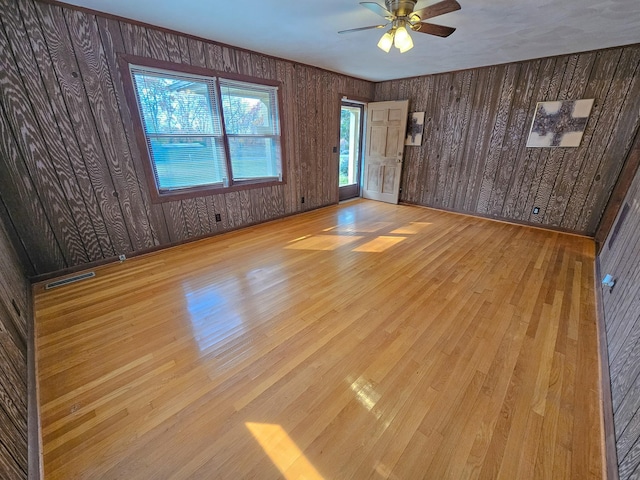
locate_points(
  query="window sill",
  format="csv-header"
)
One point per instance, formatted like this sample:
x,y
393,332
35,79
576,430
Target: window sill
x,y
205,191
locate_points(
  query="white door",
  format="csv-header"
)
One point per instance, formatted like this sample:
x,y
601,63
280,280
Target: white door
x,y
386,128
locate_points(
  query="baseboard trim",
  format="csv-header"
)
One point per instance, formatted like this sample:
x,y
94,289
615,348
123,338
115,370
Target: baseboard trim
x,y
609,453
37,279
34,433
502,220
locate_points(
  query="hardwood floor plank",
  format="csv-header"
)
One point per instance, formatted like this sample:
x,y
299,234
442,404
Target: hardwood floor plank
x,y
362,340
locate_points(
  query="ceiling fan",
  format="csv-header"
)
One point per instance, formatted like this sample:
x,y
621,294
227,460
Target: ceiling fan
x,y
400,15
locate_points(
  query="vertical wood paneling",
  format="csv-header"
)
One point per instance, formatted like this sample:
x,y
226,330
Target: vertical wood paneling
x,y
303,125
13,286
497,137
607,76
21,198
449,119
410,169
481,141
513,142
474,157
136,42
322,152
463,117
246,212
287,72
275,201
551,157
229,60
474,100
234,212
624,127
532,167
436,119
21,111
173,53
314,185
421,169
312,146
214,57
113,41
14,289
13,416
73,182
82,200
244,62
295,167
620,257
98,83
323,177
90,162
255,203
572,160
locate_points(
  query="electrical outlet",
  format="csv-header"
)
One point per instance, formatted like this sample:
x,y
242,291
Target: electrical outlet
x,y
218,217
122,257
536,210
302,201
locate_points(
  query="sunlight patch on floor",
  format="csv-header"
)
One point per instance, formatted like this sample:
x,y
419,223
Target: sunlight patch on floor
x,y
365,394
411,228
379,244
282,451
323,242
212,319
363,227
299,238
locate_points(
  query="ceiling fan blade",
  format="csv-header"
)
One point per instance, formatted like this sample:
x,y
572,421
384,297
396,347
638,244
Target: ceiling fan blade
x,y
433,29
440,8
362,28
378,9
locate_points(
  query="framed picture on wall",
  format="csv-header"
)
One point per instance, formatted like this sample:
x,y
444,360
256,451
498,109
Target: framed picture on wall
x,y
559,124
415,129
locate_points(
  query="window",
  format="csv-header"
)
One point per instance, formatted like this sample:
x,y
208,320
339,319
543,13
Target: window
x,y
251,122
203,132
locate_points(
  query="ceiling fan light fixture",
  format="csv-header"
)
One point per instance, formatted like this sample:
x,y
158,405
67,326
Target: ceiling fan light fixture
x,y
402,16
408,45
386,41
402,40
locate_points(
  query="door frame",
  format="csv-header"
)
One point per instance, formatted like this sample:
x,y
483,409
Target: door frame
x,y
355,190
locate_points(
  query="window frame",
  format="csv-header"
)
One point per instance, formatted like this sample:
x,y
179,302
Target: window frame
x,y
159,196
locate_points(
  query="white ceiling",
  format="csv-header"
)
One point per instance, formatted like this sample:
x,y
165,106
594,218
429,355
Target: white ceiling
x,y
489,32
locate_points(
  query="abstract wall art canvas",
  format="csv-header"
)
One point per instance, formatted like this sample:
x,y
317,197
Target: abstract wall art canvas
x,y
415,129
559,124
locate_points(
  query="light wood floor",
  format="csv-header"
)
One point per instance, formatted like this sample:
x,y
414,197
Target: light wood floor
x,y
359,341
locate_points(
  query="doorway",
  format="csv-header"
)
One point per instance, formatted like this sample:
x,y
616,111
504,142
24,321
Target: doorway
x,y
351,122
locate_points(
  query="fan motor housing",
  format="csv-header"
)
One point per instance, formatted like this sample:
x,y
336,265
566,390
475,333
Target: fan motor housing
x,y
401,8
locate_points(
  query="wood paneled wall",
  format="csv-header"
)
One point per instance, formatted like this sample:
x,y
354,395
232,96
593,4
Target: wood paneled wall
x,y
72,185
72,180
14,301
473,157
620,257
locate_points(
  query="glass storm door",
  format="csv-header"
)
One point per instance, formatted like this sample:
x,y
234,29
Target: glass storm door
x,y
351,118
